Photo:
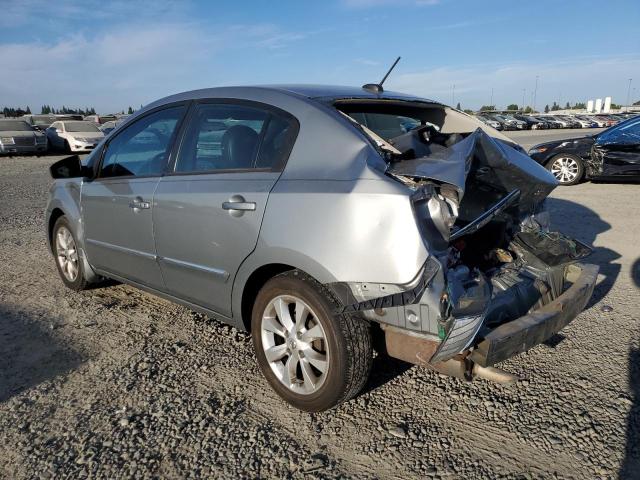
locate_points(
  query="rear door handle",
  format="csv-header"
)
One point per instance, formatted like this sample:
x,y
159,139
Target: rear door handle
x,y
239,205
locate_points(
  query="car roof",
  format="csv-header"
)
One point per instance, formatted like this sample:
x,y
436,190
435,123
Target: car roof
x,y
323,93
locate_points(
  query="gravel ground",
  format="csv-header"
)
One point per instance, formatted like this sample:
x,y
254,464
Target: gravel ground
x,y
115,383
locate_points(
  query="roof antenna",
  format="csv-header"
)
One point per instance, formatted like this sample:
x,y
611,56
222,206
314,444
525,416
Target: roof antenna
x,y
377,87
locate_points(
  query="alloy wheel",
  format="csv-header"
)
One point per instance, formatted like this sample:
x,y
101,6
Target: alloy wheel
x,y
565,169
295,344
67,254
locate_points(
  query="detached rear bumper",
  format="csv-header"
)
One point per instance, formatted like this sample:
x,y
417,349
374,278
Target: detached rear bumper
x,y
504,341
525,332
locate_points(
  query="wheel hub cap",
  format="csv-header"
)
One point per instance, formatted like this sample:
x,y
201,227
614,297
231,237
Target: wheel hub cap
x,y
295,344
565,169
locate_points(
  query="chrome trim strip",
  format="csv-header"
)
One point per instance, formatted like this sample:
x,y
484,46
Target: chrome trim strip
x,y
224,275
119,248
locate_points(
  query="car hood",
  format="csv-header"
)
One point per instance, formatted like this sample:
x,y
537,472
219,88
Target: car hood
x,y
586,141
16,133
490,161
86,134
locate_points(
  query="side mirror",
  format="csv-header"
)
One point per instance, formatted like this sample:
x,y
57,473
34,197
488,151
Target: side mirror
x,y
70,167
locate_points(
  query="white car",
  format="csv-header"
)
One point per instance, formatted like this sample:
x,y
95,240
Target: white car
x,y
74,135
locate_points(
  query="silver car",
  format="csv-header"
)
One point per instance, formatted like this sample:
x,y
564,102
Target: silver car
x,y
17,137
312,217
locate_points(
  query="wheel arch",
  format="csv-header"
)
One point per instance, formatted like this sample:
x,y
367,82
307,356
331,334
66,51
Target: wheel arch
x,y
261,266
56,213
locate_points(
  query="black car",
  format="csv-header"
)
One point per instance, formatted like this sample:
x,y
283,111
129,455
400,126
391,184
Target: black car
x,y
532,122
611,154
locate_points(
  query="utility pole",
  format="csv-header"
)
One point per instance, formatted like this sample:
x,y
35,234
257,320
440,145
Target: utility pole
x,y
524,91
491,101
535,93
628,93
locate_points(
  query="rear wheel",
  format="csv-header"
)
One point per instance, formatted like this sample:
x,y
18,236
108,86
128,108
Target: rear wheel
x,y
568,169
311,356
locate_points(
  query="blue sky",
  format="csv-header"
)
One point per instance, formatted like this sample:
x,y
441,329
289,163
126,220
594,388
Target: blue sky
x,y
112,54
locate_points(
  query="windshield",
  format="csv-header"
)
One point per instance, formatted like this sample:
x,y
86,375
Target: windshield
x,y
80,127
14,126
43,120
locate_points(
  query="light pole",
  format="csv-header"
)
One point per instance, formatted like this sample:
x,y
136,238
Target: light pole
x,y
491,101
524,91
535,94
628,93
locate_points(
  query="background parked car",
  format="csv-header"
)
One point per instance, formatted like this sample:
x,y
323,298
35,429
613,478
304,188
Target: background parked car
x,y
550,122
614,153
17,136
40,122
586,122
74,136
532,122
100,119
111,125
490,121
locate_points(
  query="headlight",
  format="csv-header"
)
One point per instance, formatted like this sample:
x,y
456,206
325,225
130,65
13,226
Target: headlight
x,y
538,150
7,140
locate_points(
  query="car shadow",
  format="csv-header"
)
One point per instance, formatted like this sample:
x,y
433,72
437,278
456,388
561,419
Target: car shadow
x,y
582,223
384,369
30,352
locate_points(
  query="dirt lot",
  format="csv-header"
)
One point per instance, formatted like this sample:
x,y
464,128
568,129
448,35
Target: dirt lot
x,y
115,383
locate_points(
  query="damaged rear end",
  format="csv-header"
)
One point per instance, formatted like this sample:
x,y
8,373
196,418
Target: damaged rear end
x,y
497,281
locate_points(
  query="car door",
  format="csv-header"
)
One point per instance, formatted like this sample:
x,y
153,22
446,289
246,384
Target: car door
x,y
618,149
117,205
209,208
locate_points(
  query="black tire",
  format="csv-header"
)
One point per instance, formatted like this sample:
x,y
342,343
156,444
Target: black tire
x,y
66,148
348,338
79,282
553,164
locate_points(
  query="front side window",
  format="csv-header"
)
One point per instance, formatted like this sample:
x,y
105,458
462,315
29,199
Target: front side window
x,y
235,137
143,147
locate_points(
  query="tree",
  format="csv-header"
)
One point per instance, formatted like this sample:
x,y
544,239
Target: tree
x,y
28,110
458,106
616,106
546,109
555,107
466,110
567,106
130,111
487,108
512,106
580,105
528,110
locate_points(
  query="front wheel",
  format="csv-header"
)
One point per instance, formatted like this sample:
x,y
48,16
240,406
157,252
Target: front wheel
x,y
68,261
568,169
312,357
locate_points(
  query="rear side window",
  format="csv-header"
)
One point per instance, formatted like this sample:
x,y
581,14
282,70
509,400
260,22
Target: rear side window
x,y
235,137
142,148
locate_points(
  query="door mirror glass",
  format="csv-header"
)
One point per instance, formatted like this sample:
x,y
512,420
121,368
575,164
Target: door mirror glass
x,y
70,167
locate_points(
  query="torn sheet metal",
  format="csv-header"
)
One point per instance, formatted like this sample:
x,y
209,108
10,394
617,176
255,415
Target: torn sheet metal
x,y
480,159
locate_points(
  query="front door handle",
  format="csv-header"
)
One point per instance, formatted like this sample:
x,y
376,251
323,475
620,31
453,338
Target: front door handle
x,y
237,205
139,204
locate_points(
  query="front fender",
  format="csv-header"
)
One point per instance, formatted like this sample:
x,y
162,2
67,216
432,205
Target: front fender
x,y
64,197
